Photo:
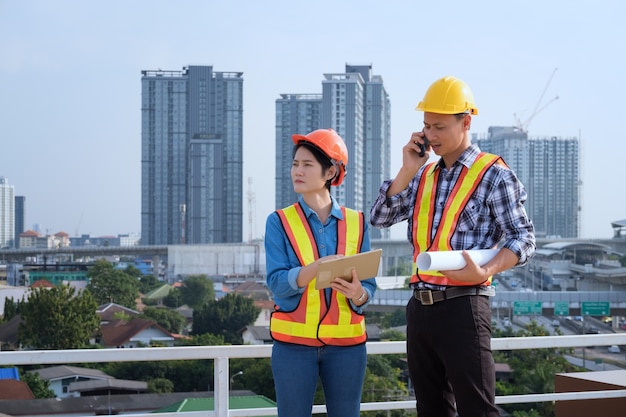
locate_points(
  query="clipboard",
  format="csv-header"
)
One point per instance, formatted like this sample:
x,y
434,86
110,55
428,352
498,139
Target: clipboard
x,y
366,264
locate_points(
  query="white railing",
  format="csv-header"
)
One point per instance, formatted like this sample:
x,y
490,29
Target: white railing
x,y
222,354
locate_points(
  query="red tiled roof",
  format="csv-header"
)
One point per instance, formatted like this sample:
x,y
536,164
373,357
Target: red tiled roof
x,y
28,233
42,283
12,389
118,332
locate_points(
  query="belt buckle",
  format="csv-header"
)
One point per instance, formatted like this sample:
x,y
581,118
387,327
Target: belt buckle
x,y
426,297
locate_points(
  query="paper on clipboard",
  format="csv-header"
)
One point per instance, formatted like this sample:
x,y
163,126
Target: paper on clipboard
x,y
366,264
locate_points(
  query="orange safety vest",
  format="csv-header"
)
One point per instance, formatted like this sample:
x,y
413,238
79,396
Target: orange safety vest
x,y
314,322
424,210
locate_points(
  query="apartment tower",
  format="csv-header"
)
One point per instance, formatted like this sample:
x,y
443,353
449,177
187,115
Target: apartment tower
x,y
192,156
549,169
356,105
7,214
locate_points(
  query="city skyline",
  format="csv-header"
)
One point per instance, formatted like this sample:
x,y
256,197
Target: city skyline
x,y
70,101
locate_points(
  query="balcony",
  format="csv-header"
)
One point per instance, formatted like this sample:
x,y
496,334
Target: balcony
x,y
222,354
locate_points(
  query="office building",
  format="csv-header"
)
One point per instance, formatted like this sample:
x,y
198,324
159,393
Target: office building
x,y
295,113
549,169
20,217
356,105
192,156
7,214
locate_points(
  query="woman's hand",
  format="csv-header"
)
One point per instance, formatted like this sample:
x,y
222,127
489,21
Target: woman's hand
x,y
350,289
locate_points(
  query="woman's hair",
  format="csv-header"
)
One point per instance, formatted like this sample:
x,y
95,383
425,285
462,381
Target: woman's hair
x,y
319,156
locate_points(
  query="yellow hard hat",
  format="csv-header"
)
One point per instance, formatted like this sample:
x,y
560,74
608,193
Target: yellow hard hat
x,y
448,95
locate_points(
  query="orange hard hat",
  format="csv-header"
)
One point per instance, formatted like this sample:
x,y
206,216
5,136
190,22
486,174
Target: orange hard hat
x,y
332,145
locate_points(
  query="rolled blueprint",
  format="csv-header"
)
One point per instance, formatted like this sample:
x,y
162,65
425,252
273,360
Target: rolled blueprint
x,y
451,260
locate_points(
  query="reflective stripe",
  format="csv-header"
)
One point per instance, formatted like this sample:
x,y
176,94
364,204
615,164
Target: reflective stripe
x,y
313,322
463,189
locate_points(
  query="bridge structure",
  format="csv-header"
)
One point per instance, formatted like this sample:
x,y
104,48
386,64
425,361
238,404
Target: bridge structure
x,y
245,261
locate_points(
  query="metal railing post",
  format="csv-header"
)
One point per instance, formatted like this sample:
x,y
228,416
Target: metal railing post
x,y
221,391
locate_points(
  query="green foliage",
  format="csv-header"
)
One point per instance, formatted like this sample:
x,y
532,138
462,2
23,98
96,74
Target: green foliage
x,y
133,271
256,376
160,386
197,290
174,298
226,317
170,320
39,387
109,285
395,318
185,375
58,318
533,371
392,335
10,309
383,382
205,339
147,283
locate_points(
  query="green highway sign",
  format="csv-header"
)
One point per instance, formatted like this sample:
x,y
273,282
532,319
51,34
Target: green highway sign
x,y
561,308
521,308
595,308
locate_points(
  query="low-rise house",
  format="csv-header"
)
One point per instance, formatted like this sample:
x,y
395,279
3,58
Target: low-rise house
x,y
111,311
134,333
61,377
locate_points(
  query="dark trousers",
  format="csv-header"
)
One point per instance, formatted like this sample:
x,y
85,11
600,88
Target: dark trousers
x,y
449,357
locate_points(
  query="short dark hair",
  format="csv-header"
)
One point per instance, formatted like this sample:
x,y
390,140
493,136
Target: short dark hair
x,y
319,156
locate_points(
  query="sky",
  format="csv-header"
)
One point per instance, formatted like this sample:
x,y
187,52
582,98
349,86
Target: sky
x,y
70,87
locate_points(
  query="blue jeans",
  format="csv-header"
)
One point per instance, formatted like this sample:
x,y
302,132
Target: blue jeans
x,y
296,369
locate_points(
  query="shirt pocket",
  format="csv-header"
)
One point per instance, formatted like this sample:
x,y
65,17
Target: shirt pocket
x,y
473,216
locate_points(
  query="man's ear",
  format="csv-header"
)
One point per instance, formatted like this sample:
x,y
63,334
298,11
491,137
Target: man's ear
x,y
467,122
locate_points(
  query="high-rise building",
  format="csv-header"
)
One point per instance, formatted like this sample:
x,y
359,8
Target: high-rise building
x,y
192,156
549,169
20,217
295,113
356,105
7,214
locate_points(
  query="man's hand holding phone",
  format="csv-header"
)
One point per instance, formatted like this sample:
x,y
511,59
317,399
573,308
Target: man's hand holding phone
x,y
423,146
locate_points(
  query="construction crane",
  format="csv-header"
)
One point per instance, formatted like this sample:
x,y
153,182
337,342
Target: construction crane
x,y
523,126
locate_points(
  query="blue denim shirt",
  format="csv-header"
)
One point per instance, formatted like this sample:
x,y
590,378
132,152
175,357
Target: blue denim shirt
x,y
282,264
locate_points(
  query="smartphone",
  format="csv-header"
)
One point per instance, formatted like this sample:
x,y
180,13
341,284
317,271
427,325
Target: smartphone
x,y
423,146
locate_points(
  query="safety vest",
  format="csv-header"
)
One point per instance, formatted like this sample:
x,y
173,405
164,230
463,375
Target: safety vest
x,y
314,322
424,211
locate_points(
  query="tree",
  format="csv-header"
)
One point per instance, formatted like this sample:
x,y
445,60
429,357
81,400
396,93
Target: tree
x,y
39,387
160,386
10,309
170,320
174,298
226,316
197,290
533,371
109,285
58,318
147,283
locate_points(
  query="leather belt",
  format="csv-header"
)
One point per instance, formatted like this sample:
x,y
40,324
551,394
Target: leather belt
x,y
429,297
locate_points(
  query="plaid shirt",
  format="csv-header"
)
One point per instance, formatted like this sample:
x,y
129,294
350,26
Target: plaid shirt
x,y
494,214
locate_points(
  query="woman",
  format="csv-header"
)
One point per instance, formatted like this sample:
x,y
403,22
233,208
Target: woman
x,y
317,333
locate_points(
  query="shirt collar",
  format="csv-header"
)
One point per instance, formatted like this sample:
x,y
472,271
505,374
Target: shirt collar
x,y
467,158
335,211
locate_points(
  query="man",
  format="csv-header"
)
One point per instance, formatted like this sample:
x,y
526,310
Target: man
x,y
466,200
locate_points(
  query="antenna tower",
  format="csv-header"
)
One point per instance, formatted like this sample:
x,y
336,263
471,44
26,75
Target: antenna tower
x,y
251,209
